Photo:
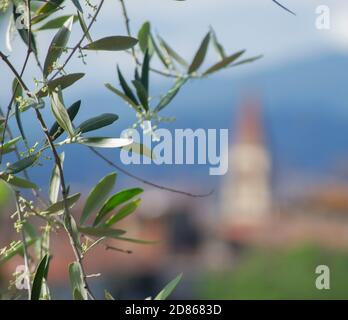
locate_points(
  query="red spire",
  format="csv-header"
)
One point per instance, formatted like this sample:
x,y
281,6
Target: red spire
x,y
249,123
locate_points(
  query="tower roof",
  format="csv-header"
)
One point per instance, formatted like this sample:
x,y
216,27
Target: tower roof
x,y
249,123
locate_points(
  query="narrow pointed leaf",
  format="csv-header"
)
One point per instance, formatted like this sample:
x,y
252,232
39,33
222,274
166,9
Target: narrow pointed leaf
x,y
60,113
18,182
169,288
113,43
224,63
98,195
22,164
84,26
104,142
116,200
40,275
98,122
55,23
172,53
76,281
143,36
200,55
56,130
77,5
57,46
59,207
145,71
124,212
123,96
102,232
170,95
53,192
142,94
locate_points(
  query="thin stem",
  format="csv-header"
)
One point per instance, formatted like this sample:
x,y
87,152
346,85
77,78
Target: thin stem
x,y
152,184
127,24
25,246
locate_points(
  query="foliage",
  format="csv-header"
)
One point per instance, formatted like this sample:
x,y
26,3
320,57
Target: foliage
x,y
103,209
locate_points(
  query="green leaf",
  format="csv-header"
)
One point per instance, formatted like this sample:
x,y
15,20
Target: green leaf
x,y
84,27
60,113
218,47
46,10
53,192
57,46
40,275
17,90
55,23
76,281
126,89
18,182
9,145
224,63
77,5
102,232
98,195
56,130
143,36
172,53
249,60
62,82
59,207
113,43
22,164
104,142
170,95
145,71
141,149
200,55
169,288
123,96
124,212
159,52
138,241
98,122
142,94
114,201
108,295
77,295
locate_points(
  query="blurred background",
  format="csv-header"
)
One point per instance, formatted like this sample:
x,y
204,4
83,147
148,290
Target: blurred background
x,y
282,208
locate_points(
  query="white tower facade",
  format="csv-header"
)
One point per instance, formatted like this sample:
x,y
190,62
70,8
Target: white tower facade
x,y
246,193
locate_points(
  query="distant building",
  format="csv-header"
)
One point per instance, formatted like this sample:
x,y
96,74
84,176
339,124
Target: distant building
x,y
246,194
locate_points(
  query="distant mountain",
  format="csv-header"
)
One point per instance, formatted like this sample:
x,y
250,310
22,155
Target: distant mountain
x,y
305,110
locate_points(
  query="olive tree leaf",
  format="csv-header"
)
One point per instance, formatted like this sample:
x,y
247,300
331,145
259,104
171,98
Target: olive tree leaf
x,y
142,94
98,195
62,82
125,87
108,295
145,71
84,26
102,232
40,275
144,36
123,96
169,288
124,212
104,142
53,191
165,100
18,248
76,281
114,201
200,54
56,130
113,43
98,122
77,5
60,113
9,145
22,164
55,23
224,63
59,207
18,182
218,47
57,45
46,10
172,53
